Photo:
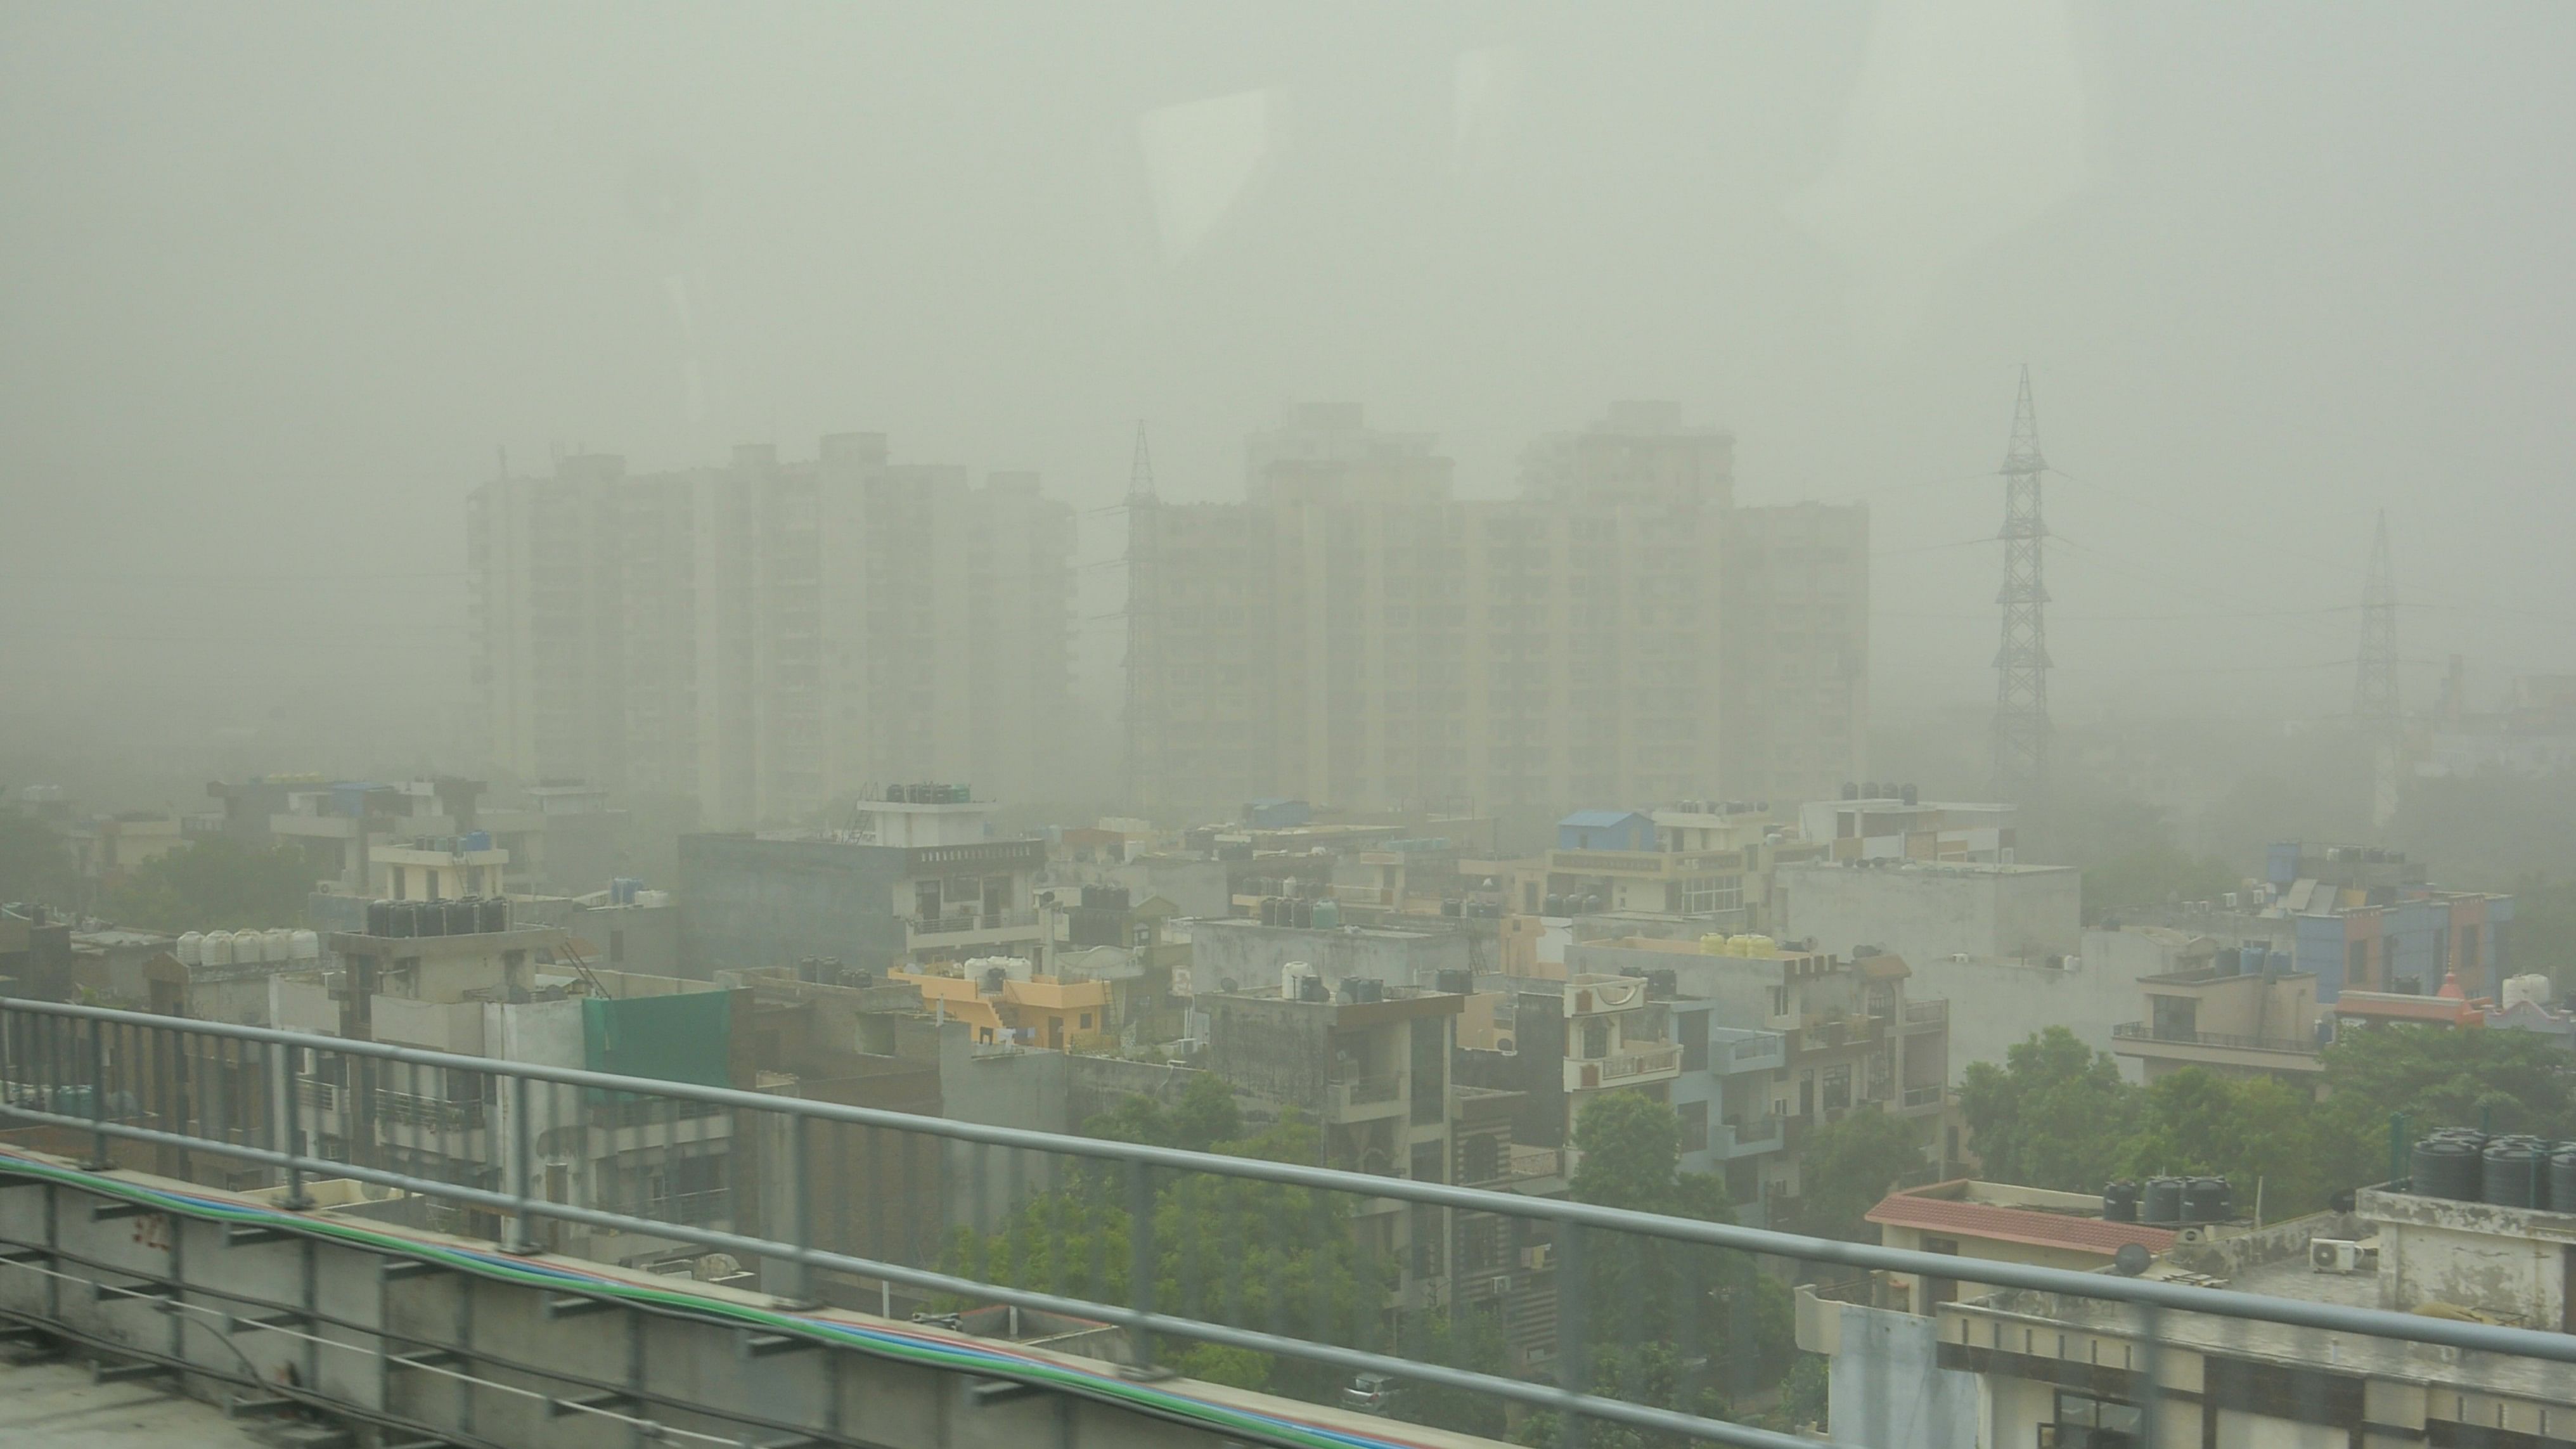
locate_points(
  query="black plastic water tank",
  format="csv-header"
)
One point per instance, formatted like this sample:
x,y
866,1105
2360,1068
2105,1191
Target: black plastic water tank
x,y
2120,1202
429,918
2562,1178
2513,1173
2161,1202
380,918
399,921
494,914
463,915
2447,1167
2204,1200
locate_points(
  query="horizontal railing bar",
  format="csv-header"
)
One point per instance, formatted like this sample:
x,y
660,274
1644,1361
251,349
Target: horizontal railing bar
x,y
2227,1303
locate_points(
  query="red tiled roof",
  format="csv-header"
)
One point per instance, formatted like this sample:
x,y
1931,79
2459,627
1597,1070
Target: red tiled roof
x,y
2001,1224
2404,1008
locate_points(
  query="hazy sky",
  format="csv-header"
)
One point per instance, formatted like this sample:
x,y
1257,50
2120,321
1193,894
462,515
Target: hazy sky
x,y
278,281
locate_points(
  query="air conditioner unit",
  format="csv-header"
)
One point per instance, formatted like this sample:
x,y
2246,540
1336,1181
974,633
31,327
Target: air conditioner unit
x,y
1538,1257
2341,1255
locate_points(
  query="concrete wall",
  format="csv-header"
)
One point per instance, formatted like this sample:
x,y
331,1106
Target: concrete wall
x,y
1279,1052
746,902
1250,954
641,939
2512,1261
1886,1387
1924,911
1998,1004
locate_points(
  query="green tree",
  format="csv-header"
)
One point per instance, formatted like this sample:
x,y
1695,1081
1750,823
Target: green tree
x,y
1734,1318
216,884
1656,1374
1203,1115
2544,931
2506,1081
2261,1134
2055,1115
1250,1254
1848,1166
1631,1146
35,862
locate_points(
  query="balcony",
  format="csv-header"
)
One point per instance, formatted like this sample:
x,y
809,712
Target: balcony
x,y
1745,1138
968,923
1749,1052
434,1114
1653,1062
986,855
1368,1096
2215,1048
1918,1098
1925,1016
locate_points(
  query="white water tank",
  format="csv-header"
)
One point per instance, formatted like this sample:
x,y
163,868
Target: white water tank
x,y
2533,988
304,946
279,945
216,949
249,948
191,948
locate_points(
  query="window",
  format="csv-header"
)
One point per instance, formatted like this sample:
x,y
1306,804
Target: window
x,y
1480,1159
1086,1021
1692,1028
616,947
1694,1117
1836,1087
2085,1422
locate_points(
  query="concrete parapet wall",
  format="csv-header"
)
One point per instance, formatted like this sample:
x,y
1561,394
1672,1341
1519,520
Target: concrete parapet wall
x,y
506,1350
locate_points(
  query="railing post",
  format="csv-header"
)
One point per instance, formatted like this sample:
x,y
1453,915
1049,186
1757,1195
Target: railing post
x,y
800,1217
1140,1257
282,1095
522,1237
1573,1352
99,1161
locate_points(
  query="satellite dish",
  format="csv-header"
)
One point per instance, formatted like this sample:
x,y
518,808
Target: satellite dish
x,y
2131,1260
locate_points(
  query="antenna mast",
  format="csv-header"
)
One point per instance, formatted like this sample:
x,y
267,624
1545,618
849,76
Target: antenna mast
x,y
2021,663
2374,687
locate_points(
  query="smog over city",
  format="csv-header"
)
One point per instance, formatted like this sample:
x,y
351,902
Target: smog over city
x,y
978,531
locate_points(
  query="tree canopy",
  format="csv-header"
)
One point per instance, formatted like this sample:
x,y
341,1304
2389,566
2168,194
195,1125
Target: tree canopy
x,y
35,861
216,884
2057,1115
1848,1166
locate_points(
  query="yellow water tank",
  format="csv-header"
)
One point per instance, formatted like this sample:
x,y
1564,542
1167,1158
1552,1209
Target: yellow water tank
x,y
1758,945
1713,944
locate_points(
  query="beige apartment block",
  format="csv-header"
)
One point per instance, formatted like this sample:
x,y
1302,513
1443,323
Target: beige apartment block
x,y
763,636
1619,631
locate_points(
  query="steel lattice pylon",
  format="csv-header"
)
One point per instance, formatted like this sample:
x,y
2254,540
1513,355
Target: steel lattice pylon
x,y
2021,663
2375,707
2374,685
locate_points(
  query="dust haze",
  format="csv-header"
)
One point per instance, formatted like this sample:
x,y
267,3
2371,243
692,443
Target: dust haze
x,y
280,285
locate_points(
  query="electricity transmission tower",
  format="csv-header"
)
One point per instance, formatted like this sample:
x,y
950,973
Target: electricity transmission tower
x,y
1144,632
2374,685
2021,663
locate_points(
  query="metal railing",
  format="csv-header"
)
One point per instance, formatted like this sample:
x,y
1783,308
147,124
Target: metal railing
x,y
1363,1091
2182,1036
966,921
1188,1252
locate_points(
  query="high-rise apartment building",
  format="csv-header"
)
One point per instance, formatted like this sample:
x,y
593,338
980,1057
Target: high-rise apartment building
x,y
1619,631
764,636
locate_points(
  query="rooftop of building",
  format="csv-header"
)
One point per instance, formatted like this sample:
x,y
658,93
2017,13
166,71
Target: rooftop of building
x,y
1909,866
2006,1213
